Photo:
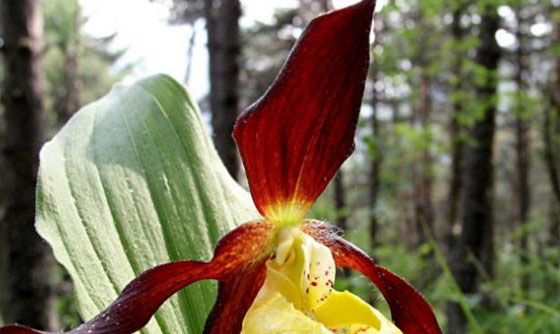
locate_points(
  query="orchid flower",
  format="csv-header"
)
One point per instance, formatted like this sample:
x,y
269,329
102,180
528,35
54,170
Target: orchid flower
x,y
276,275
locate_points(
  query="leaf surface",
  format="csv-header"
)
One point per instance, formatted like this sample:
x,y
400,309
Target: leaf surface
x,y
133,181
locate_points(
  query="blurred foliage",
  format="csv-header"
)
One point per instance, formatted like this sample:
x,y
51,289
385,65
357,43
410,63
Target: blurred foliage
x,y
415,39
64,37
265,47
184,11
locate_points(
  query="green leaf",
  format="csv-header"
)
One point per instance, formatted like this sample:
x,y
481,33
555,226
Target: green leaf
x,y
556,15
133,181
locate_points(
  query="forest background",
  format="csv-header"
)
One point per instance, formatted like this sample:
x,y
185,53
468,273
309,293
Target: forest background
x,y
455,183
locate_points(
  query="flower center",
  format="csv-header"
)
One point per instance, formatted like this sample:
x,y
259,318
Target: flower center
x,y
286,214
303,267
298,295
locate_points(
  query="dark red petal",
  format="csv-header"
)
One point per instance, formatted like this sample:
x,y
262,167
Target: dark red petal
x,y
294,139
17,329
245,247
235,297
409,310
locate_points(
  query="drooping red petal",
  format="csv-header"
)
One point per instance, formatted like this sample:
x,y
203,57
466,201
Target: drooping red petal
x,y
235,297
17,329
294,139
409,310
248,246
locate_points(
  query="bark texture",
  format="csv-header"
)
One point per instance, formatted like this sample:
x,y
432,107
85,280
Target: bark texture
x,y
551,134
423,174
224,48
456,134
551,131
423,206
375,176
376,156
27,261
71,99
340,201
474,246
522,151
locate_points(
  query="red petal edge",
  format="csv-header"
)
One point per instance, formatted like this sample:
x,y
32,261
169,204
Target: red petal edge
x,y
409,310
237,252
294,139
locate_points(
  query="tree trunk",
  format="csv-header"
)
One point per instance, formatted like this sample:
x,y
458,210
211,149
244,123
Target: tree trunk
x,y
522,154
190,51
375,174
27,266
425,217
551,130
424,213
340,201
475,243
376,155
551,135
222,24
456,132
553,241
523,189
71,100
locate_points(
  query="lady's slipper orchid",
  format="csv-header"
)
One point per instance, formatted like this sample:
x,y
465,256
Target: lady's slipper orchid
x,y
277,275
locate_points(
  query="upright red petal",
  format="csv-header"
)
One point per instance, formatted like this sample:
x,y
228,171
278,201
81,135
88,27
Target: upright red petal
x,y
248,246
409,310
294,139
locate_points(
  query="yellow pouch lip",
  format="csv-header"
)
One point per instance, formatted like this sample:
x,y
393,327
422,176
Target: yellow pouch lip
x,y
343,309
273,313
300,266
